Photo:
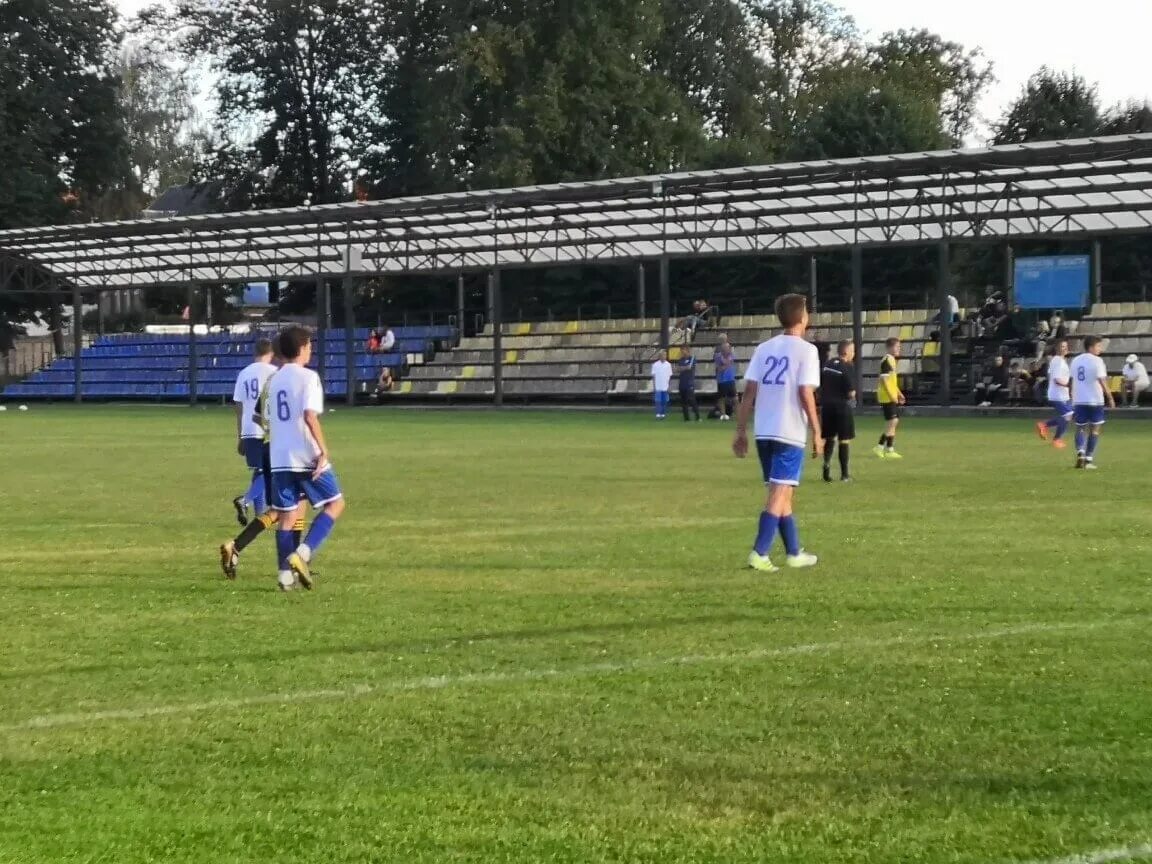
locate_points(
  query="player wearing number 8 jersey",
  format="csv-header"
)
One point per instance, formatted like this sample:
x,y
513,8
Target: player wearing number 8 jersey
x,y
299,456
779,389
1090,392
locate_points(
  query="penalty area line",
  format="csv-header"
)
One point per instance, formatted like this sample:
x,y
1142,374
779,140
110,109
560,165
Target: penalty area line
x,y
1101,856
515,676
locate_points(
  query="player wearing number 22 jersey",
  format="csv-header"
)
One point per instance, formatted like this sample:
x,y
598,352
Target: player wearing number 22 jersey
x,y
299,456
779,387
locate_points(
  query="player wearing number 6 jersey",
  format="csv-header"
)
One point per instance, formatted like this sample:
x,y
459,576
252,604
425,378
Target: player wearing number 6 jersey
x,y
246,394
299,456
779,388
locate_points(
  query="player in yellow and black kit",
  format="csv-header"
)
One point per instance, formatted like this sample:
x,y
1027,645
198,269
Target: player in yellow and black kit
x,y
891,400
230,551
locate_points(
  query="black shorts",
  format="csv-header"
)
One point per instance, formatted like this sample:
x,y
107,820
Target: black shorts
x,y
837,421
726,389
266,470
891,411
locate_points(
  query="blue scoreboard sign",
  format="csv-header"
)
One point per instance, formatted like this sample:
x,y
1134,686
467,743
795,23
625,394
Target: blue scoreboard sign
x,y
1055,282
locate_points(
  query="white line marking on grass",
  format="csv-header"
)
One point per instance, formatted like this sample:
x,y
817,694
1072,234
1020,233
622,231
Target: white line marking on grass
x,y
1103,856
440,682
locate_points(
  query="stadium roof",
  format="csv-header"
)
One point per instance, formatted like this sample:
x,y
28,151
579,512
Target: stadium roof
x,y
1093,186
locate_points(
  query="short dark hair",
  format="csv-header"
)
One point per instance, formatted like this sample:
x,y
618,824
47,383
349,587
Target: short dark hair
x,y
843,346
292,341
790,309
1091,342
262,348
892,342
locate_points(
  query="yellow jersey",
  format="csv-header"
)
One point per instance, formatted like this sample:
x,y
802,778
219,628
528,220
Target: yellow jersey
x,y
886,395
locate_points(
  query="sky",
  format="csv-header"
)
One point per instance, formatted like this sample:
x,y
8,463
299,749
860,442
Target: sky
x,y
1106,41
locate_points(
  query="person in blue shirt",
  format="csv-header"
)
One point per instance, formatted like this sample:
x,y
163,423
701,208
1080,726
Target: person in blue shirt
x,y
724,359
686,371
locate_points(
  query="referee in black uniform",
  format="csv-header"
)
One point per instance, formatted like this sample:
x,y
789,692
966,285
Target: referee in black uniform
x,y
837,399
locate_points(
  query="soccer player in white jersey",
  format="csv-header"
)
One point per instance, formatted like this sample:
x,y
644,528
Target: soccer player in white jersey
x,y
245,396
299,456
1059,396
779,389
1090,392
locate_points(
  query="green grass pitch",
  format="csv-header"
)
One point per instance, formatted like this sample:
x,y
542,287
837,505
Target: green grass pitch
x,y
533,640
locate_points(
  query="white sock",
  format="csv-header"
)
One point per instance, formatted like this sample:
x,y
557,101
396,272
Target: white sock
x,y
305,552
286,578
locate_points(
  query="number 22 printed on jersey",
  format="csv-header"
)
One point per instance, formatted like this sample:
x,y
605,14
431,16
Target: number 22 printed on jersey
x,y
775,368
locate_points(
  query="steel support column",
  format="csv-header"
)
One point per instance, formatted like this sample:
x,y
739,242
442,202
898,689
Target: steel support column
x,y
193,348
943,289
665,303
858,303
77,343
1009,274
349,344
321,329
496,301
1097,272
641,292
460,304
812,283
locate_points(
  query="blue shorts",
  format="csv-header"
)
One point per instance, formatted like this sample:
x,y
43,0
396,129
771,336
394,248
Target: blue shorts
x,y
289,487
253,453
1062,409
1088,415
782,463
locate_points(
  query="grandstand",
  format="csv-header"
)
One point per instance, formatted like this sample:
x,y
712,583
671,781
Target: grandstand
x,y
156,366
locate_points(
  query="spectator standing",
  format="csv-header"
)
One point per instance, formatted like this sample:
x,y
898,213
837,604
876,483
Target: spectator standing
x,y
661,381
686,370
1135,381
725,360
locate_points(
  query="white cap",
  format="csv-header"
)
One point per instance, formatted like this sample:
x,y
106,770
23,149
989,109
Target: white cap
x,y
1131,358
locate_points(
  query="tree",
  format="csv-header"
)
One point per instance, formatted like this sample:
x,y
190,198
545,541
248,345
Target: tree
x,y
1128,119
294,87
951,77
61,139
1053,105
802,43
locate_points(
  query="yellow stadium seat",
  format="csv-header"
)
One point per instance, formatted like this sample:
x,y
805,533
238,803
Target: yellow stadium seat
x,y
468,372
446,387
931,349
572,327
906,332
405,386
523,329
511,356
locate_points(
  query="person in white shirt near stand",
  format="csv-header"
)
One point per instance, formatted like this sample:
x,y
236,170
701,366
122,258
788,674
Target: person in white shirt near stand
x,y
1059,396
661,381
1135,381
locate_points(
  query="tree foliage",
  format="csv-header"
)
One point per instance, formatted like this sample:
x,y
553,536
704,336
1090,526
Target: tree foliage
x,y
1053,105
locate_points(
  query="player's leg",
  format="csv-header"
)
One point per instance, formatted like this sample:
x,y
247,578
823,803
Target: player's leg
x,y
1081,419
230,551
829,447
890,434
325,496
286,489
846,437
684,396
1093,441
769,523
694,403
787,465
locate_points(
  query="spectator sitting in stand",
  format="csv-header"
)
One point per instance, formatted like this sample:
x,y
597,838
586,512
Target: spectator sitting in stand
x,y
993,384
385,382
1038,371
1057,327
1135,381
953,311
1019,382
387,340
373,342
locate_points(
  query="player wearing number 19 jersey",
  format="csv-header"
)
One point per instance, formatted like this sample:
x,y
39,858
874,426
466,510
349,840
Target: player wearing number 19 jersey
x,y
780,386
299,455
246,396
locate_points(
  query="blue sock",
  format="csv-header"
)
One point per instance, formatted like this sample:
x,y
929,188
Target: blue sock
x,y
1093,440
1061,427
318,532
1053,422
1079,440
284,547
769,523
255,493
790,535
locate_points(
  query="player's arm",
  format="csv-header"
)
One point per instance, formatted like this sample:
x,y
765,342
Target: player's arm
x,y
239,406
312,421
808,400
1107,390
747,405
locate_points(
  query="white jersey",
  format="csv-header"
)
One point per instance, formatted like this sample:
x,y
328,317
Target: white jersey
x,y
780,367
1087,370
246,394
661,376
292,391
1058,370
